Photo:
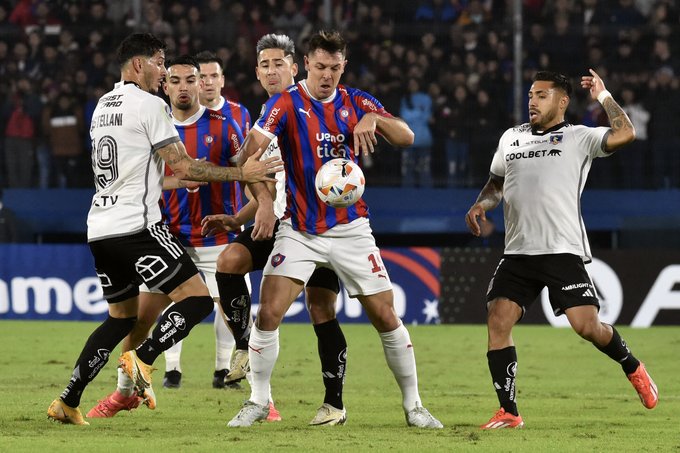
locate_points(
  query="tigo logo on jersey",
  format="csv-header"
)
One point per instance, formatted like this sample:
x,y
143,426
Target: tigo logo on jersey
x,y
277,259
555,139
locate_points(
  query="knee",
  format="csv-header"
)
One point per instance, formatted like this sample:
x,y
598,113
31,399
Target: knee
x,y
588,330
234,260
269,315
502,316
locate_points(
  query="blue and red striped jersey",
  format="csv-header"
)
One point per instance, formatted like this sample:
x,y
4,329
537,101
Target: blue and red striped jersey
x,y
217,138
310,133
239,113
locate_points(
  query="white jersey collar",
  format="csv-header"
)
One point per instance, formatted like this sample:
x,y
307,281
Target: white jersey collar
x,y
303,84
192,119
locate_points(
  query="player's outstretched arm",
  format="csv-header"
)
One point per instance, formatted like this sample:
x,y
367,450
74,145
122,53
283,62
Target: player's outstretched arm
x,y
622,130
184,167
395,130
173,183
490,196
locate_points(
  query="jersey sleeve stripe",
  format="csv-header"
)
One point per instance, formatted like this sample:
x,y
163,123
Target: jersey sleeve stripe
x,y
164,143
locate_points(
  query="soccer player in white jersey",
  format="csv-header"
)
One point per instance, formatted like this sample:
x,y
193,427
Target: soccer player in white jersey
x,y
276,70
539,170
133,135
304,117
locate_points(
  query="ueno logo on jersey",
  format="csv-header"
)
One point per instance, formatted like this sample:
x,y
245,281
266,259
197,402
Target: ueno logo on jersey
x,y
272,117
369,104
331,145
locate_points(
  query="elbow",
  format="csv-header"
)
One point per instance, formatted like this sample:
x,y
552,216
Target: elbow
x,y
406,139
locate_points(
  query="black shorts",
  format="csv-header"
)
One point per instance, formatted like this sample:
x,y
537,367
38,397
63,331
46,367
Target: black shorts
x,y
260,251
521,278
153,256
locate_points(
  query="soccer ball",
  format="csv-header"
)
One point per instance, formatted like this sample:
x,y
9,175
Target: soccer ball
x,y
339,183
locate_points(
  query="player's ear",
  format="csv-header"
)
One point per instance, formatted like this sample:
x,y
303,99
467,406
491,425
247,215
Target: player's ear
x,y
137,64
306,63
294,69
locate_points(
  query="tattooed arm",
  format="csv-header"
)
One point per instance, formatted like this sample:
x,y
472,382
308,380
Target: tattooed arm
x,y
490,196
622,130
184,167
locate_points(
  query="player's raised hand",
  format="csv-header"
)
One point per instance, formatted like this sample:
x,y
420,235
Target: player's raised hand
x,y
256,170
364,135
218,223
593,83
476,211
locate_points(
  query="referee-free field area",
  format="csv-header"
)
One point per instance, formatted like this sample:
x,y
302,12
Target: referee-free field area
x,y
572,397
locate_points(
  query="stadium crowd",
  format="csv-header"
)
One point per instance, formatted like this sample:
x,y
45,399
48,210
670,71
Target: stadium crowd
x,y
445,66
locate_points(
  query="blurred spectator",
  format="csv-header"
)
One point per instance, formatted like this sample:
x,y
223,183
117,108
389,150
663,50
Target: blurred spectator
x,y
489,121
290,21
416,110
8,29
663,102
218,27
9,228
634,155
22,110
63,126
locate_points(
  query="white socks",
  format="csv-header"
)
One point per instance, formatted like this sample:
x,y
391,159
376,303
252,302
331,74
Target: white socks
x,y
224,342
125,385
172,356
402,361
263,351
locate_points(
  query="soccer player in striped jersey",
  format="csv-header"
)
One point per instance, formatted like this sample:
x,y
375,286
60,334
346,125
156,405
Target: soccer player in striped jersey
x,y
315,121
132,136
212,75
276,70
540,169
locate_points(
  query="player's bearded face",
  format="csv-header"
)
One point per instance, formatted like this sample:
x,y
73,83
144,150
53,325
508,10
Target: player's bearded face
x,y
544,105
154,71
323,72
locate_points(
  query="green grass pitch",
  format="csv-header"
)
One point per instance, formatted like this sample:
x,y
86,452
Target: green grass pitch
x,y
572,397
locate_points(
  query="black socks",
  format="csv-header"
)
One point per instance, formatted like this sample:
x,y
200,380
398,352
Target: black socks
x,y
618,350
94,356
503,367
235,302
174,325
333,355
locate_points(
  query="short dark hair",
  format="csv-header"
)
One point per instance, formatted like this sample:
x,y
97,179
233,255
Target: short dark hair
x,y
184,60
207,56
136,44
330,41
559,81
274,41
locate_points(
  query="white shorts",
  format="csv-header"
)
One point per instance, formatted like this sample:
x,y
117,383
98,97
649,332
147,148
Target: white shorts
x,y
205,259
348,249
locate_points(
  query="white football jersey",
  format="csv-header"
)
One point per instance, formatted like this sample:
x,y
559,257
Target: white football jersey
x,y
544,176
128,126
273,150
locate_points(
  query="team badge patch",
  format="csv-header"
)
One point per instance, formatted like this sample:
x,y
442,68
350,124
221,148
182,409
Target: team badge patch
x,y
208,139
277,259
343,113
555,139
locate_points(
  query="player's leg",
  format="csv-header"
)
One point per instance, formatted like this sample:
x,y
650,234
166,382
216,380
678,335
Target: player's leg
x,y
321,294
512,289
277,295
117,278
573,293
356,259
93,357
162,263
125,396
585,322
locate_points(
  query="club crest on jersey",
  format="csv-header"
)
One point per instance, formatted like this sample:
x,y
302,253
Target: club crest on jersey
x,y
208,139
555,139
277,259
344,113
